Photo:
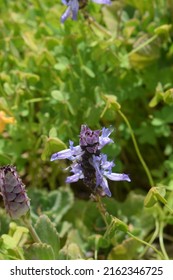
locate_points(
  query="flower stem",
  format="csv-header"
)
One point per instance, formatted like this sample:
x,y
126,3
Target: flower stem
x,y
31,229
102,209
150,179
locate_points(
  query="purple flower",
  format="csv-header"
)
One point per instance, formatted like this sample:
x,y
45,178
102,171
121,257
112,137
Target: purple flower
x,y
13,192
72,10
88,163
74,6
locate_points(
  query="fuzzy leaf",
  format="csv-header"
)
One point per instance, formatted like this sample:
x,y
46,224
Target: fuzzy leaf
x,y
48,234
39,251
55,204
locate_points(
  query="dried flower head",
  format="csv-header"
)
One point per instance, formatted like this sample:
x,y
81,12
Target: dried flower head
x,y
88,163
13,192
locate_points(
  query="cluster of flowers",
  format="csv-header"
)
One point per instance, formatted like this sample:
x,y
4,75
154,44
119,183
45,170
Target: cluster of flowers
x,y
74,6
88,163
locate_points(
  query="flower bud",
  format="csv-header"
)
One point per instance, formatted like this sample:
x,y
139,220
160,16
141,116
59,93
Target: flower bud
x,y
13,192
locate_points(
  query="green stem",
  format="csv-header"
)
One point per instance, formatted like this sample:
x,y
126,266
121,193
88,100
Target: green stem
x,y
153,237
137,149
102,209
31,229
162,246
147,244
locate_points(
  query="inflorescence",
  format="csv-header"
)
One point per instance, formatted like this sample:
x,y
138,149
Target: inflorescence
x,y
88,163
13,192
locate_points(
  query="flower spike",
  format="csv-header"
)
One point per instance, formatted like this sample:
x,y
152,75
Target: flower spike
x,y
13,192
88,163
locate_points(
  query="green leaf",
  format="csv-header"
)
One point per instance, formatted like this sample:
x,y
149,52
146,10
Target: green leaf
x,y
15,237
163,29
114,224
63,201
53,132
154,195
156,99
64,228
150,199
48,234
63,64
88,71
58,95
157,122
8,89
98,241
39,251
158,96
127,250
168,96
110,16
71,252
160,192
54,204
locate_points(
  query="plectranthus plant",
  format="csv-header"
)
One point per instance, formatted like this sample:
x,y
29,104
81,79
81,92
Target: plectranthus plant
x,y
13,192
75,5
89,164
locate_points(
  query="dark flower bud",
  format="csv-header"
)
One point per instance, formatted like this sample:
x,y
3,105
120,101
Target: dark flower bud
x,y
89,139
13,192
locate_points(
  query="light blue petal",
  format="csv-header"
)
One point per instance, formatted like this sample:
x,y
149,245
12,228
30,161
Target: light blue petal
x,y
66,15
74,8
117,176
71,154
95,162
62,155
105,187
104,138
74,178
65,2
106,165
106,2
